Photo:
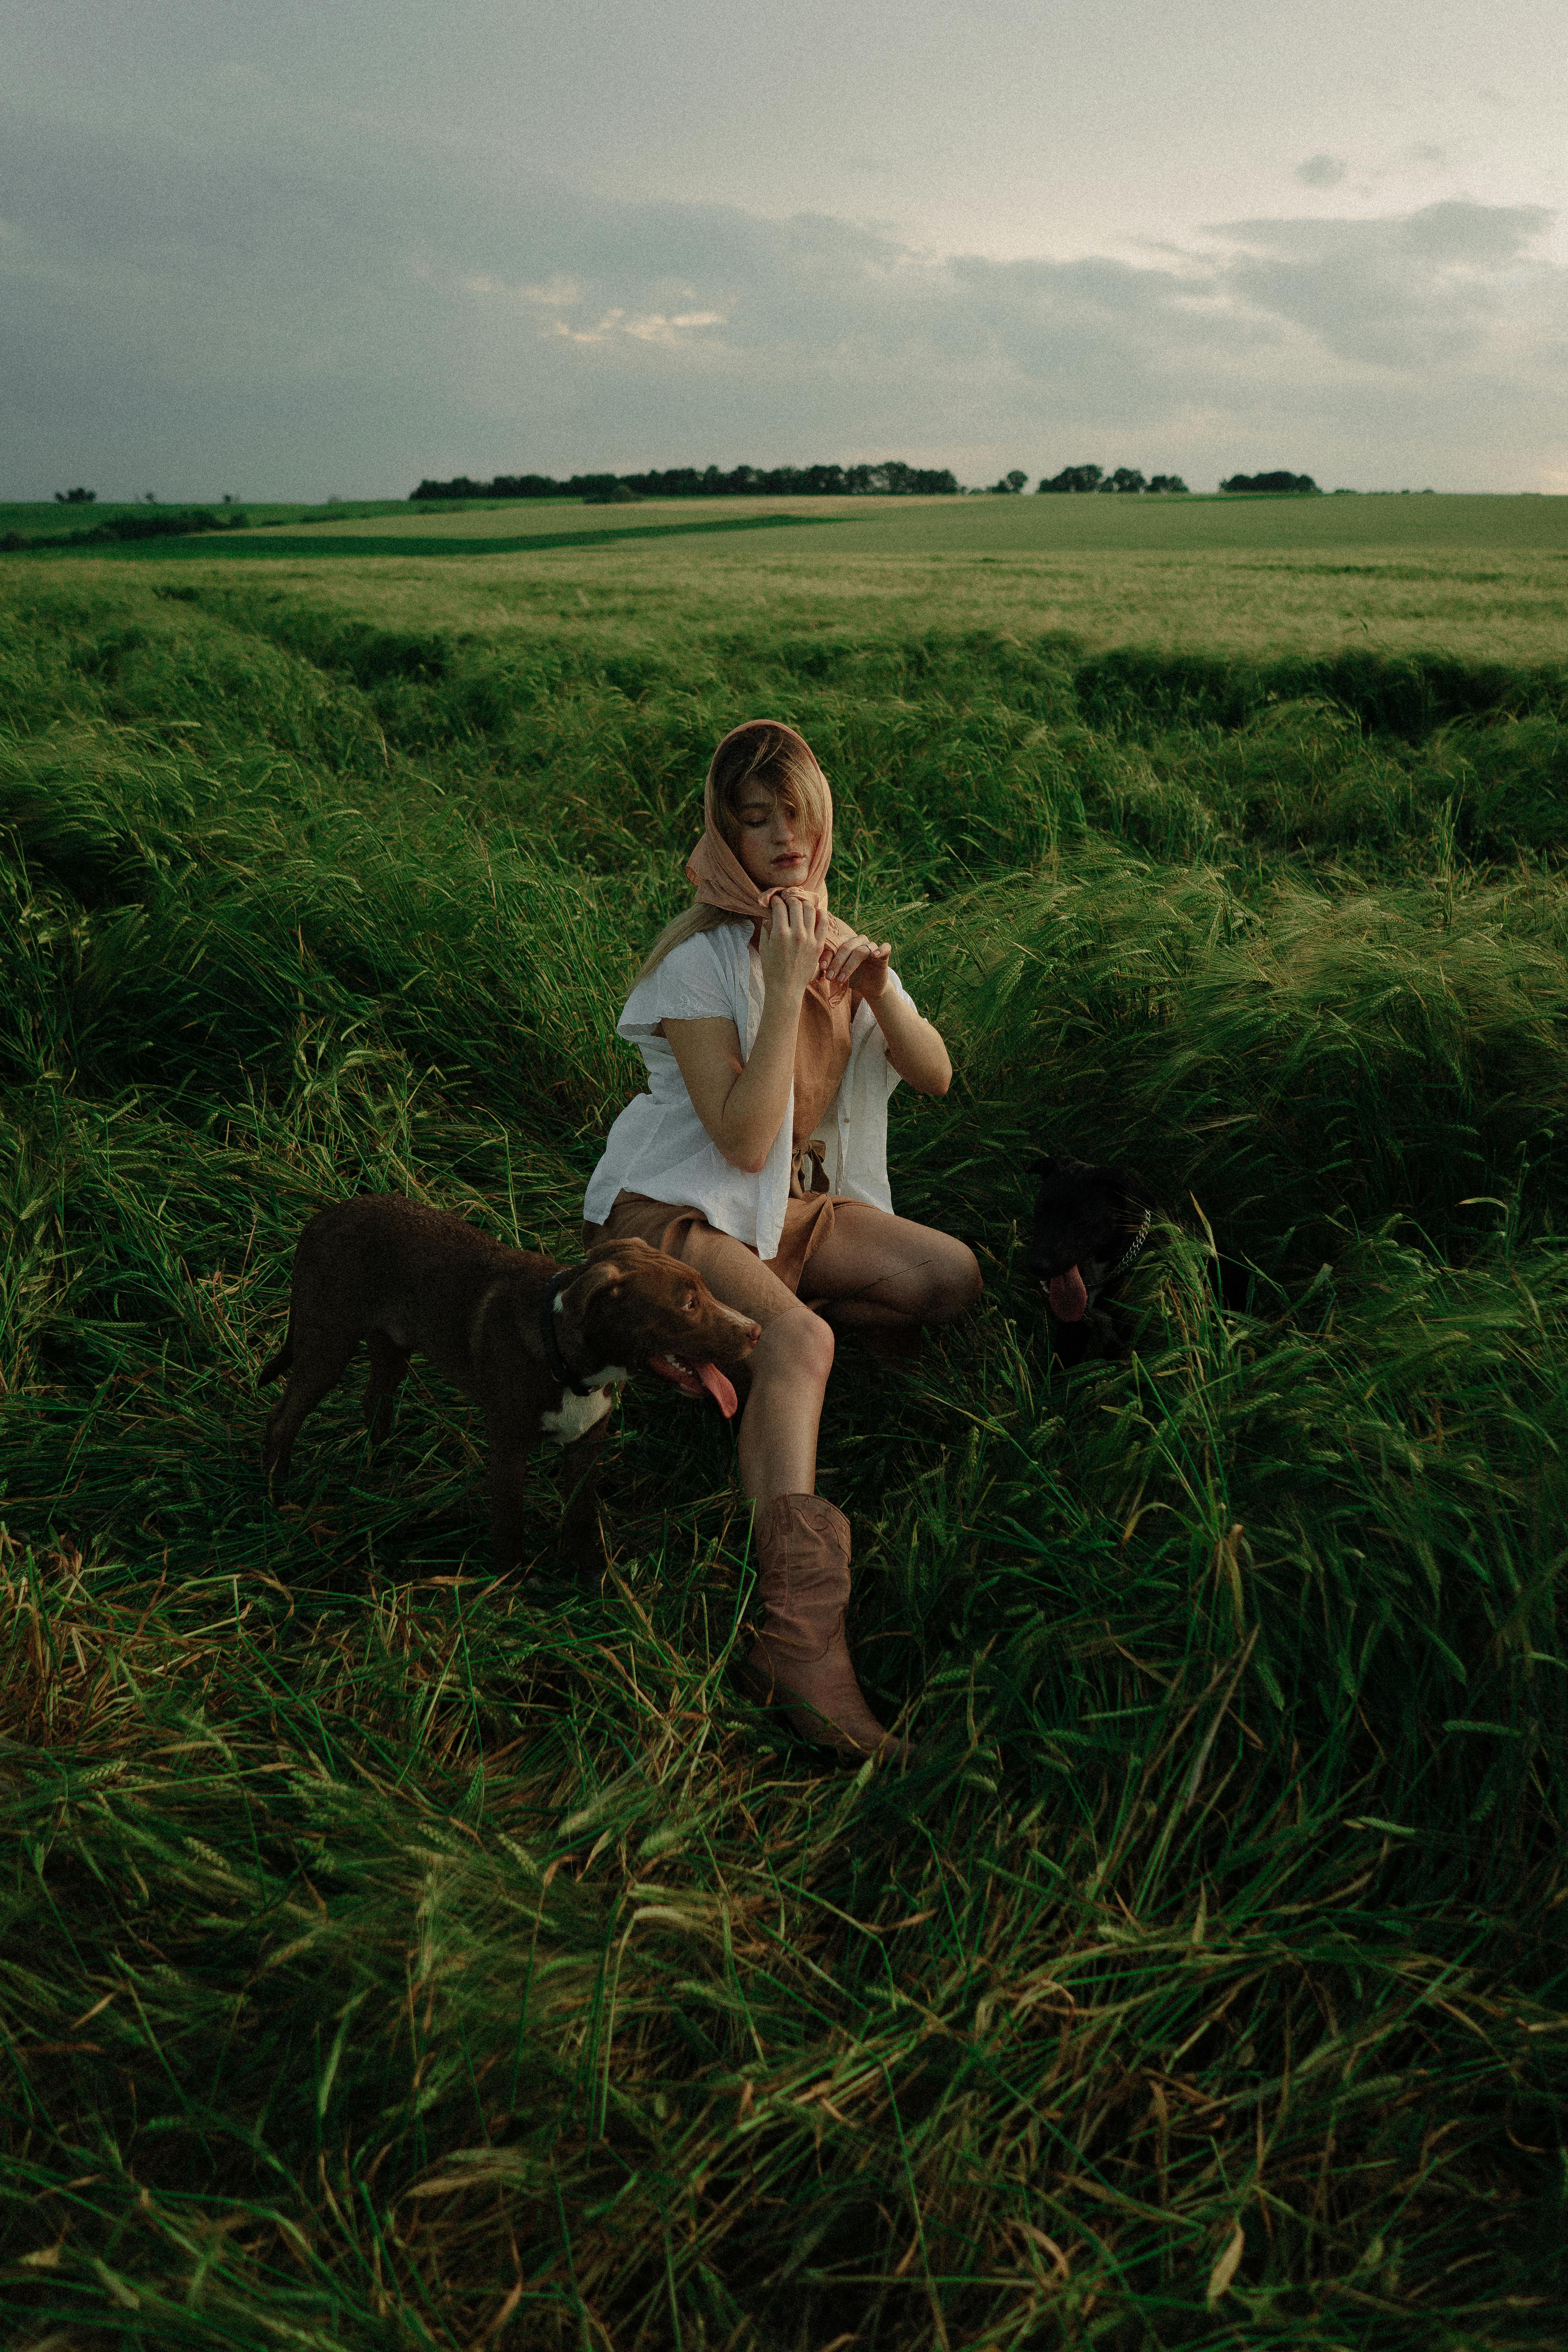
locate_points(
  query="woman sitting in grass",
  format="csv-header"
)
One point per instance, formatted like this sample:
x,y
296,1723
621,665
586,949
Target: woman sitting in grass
x,y
774,1035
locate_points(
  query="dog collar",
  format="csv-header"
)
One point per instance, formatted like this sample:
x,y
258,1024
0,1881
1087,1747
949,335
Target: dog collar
x,y
1131,1252
555,1363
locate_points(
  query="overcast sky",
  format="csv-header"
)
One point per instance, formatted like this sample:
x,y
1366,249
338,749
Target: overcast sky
x,y
314,248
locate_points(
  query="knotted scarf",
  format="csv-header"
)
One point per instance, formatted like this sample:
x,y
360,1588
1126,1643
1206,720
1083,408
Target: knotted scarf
x,y
720,879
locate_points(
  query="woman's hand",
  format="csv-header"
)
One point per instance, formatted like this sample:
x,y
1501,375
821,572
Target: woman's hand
x,y
741,1100
861,964
791,945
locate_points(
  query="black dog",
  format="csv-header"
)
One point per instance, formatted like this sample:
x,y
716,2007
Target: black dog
x,y
1090,1223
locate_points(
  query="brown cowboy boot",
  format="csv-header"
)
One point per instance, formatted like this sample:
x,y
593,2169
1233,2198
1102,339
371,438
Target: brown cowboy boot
x,y
798,1658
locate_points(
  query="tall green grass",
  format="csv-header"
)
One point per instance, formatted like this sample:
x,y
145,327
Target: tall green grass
x,y
391,1956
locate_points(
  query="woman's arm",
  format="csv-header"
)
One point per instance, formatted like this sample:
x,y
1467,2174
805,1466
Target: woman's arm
x,y
914,1048
742,1103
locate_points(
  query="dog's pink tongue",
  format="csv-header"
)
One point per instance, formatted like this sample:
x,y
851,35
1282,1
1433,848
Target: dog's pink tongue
x,y
718,1388
1067,1296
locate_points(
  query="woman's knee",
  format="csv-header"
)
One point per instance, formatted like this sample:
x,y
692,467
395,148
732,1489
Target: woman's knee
x,y
955,1283
799,1346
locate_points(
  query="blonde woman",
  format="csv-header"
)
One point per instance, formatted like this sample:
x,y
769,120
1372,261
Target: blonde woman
x,y
774,1035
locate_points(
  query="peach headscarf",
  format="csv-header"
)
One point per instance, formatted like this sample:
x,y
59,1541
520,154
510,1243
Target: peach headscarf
x,y
720,879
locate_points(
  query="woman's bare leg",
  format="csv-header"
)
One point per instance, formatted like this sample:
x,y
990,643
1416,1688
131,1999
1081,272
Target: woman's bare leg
x,y
788,1366
798,1657
880,1273
875,1273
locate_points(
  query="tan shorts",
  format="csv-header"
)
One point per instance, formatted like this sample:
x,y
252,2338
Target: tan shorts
x,y
808,1221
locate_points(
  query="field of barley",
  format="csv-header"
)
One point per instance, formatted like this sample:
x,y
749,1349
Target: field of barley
x,y
396,1957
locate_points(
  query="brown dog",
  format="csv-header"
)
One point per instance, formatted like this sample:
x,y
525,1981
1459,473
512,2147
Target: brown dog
x,y
541,1348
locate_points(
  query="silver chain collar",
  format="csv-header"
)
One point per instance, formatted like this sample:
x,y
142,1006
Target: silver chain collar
x,y
1129,1252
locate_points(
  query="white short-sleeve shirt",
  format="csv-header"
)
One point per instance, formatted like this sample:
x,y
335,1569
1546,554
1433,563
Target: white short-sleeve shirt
x,y
659,1146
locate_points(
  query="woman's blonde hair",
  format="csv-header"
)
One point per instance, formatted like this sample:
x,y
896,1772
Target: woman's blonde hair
x,y
760,753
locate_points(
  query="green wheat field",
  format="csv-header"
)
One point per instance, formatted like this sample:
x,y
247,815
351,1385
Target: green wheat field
x,y
393,1957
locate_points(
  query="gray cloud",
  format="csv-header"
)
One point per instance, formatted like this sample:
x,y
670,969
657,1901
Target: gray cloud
x,y
1322,171
1431,289
276,319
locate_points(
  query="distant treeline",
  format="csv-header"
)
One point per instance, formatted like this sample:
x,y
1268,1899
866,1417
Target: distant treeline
x,y
1126,478
1272,484
890,479
166,523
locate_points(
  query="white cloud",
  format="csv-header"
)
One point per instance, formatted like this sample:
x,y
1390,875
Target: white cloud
x,y
651,327
559,293
657,329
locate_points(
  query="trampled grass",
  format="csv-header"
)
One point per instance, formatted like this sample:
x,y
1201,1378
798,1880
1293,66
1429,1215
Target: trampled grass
x,y
396,1957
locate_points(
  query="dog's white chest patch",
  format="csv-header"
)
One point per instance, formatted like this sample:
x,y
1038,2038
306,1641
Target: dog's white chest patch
x,y
579,1413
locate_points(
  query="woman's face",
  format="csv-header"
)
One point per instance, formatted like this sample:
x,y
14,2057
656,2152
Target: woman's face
x,y
775,846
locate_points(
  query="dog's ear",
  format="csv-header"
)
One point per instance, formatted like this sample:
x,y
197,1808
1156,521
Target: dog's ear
x,y
1133,1187
1041,1167
628,1253
599,1274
